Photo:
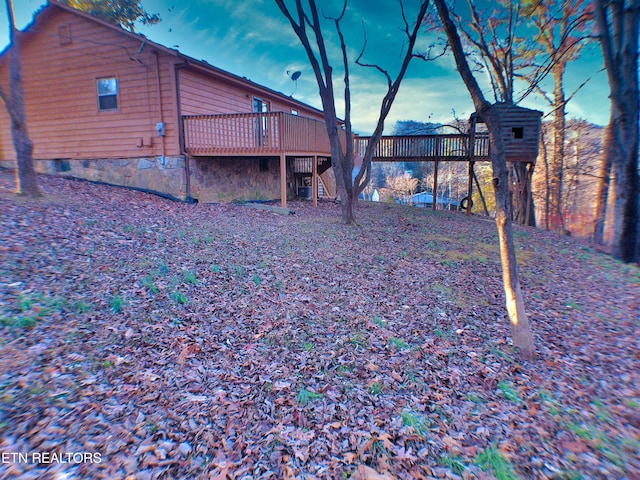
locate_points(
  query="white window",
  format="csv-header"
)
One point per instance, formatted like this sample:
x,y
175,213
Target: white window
x,y
107,93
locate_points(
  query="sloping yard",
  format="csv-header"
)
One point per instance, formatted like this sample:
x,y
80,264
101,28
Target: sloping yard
x,y
143,338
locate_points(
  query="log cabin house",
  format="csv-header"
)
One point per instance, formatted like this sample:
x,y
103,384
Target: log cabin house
x,y
107,105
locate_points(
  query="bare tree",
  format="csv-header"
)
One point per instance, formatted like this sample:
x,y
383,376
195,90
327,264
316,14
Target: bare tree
x,y
403,185
618,28
26,178
522,337
306,23
561,31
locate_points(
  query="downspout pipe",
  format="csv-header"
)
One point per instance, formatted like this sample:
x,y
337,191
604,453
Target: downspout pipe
x,y
187,169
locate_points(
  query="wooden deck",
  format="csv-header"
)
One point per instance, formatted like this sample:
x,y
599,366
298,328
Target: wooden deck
x,y
255,134
281,133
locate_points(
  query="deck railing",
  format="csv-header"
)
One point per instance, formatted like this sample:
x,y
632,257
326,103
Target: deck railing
x,y
415,147
254,134
277,133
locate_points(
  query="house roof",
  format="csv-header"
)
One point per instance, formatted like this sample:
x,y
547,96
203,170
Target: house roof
x,y
508,107
201,65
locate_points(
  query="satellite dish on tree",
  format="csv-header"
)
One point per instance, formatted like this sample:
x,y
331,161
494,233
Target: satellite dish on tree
x,y
294,76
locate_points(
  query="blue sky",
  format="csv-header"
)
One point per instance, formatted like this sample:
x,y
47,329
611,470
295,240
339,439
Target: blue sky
x,y
251,38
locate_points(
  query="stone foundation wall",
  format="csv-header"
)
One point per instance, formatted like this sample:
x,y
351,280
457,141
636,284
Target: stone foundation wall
x,y
213,180
235,179
158,174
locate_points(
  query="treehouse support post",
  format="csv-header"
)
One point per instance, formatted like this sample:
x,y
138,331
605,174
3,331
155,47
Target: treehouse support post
x,y
434,204
470,188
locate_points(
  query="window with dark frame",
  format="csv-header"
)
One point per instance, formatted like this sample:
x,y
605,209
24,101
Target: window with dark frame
x,y
107,93
517,132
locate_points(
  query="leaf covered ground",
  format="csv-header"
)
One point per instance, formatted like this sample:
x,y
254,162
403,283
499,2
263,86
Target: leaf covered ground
x,y
169,340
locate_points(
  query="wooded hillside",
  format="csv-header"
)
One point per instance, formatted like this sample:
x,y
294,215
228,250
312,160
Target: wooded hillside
x,y
192,341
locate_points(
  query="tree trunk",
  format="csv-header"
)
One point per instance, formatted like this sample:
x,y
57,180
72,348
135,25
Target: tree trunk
x,y
618,25
520,328
26,178
602,197
521,332
523,200
557,157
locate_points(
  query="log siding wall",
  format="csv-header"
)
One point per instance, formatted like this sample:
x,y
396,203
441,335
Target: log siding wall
x,y
62,111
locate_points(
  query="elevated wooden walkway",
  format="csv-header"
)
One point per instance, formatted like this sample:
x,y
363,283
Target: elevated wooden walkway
x,y
426,148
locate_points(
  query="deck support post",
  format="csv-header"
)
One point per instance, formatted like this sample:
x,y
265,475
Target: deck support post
x,y
434,204
314,180
283,180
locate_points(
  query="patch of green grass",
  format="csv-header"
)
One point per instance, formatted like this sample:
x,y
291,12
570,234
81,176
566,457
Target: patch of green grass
x,y
256,279
19,321
601,410
162,269
308,346
215,268
418,422
207,239
148,283
358,340
443,334
453,462
82,307
509,392
570,475
498,352
375,388
116,303
492,460
573,305
379,321
345,367
475,398
238,270
585,433
190,278
25,302
179,298
305,396
398,343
